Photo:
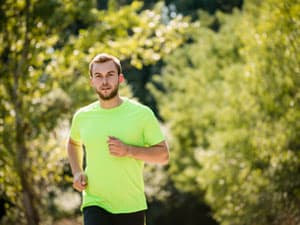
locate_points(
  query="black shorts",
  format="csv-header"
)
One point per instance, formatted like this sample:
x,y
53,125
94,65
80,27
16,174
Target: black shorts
x,y
94,215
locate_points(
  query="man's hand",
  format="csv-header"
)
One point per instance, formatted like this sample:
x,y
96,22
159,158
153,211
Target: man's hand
x,y
116,147
79,181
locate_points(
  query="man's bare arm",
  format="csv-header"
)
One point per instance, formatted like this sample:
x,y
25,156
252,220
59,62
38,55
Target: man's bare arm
x,y
75,156
158,154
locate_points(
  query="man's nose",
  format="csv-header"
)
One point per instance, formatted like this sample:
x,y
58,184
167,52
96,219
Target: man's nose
x,y
104,80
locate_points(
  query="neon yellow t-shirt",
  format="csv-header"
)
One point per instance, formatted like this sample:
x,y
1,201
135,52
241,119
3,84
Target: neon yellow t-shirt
x,y
115,183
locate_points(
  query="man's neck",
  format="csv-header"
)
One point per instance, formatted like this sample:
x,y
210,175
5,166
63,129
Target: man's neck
x,y
111,103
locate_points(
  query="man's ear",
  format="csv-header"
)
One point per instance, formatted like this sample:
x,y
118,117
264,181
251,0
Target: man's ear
x,y
91,83
121,78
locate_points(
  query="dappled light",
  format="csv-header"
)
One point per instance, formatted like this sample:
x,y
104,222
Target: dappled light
x,y
223,77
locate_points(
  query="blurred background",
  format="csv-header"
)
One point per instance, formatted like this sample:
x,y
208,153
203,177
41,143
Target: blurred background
x,y
223,77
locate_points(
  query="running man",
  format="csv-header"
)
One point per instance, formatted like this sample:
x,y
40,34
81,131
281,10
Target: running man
x,y
119,135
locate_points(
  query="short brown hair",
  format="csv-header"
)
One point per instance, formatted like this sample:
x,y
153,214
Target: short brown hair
x,y
104,57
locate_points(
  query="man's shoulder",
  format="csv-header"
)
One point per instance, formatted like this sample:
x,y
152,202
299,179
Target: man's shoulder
x,y
88,108
134,104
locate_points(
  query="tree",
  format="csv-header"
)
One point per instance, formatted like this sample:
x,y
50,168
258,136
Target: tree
x,y
30,101
232,105
45,49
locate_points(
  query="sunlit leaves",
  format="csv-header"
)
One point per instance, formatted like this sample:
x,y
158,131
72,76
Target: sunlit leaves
x,y
232,103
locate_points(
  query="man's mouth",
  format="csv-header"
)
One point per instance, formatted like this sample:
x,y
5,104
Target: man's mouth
x,y
105,88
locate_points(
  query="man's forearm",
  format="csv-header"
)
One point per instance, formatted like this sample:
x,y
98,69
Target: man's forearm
x,y
75,156
154,154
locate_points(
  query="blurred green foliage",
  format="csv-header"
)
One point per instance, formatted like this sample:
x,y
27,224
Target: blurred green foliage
x,y
231,103
228,96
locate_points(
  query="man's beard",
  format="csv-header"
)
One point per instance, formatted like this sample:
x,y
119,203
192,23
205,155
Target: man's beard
x,y
110,96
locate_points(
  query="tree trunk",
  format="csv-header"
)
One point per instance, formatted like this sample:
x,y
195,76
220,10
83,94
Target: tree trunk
x,y
22,165
28,196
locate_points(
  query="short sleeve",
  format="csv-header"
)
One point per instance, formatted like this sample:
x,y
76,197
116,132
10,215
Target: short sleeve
x,y
152,131
74,131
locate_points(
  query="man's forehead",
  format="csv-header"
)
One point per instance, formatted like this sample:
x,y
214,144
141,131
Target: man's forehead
x,y
104,67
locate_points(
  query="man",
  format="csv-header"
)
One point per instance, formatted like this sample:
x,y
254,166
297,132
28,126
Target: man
x,y
119,135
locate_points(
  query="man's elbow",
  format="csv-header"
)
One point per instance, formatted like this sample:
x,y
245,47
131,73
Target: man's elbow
x,y
165,157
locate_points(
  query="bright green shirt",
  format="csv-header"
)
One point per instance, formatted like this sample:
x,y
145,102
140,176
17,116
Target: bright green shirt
x,y
115,183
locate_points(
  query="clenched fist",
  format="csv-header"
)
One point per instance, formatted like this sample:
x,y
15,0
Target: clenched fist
x,y
116,147
80,181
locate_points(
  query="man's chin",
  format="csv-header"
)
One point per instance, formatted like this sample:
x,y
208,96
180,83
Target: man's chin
x,y
106,97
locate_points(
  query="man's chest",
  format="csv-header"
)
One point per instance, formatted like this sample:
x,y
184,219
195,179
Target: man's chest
x,y
95,130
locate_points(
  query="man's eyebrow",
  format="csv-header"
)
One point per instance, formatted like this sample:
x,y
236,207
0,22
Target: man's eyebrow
x,y
111,71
